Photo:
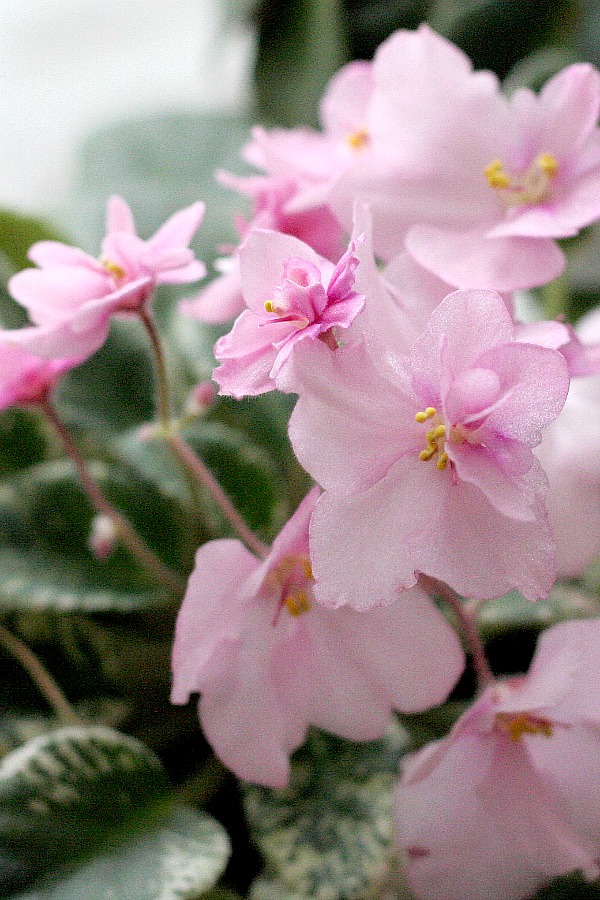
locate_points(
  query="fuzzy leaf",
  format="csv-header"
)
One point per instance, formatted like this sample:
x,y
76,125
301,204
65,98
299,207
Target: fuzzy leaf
x,y
85,810
328,835
45,521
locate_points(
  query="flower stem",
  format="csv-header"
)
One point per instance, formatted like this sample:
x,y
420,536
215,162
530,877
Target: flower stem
x,y
128,535
162,383
467,623
184,453
38,674
204,476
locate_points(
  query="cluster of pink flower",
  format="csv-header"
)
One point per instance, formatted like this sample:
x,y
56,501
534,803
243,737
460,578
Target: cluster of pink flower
x,y
420,402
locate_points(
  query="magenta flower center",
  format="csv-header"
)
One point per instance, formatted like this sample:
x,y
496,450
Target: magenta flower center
x,y
528,189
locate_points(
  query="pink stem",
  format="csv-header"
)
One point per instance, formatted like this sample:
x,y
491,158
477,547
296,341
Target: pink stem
x,y
128,535
204,476
472,637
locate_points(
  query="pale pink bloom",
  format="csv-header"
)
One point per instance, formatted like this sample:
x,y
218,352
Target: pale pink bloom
x,y
300,166
223,298
570,455
313,160
25,378
72,295
424,457
293,296
477,185
269,661
508,800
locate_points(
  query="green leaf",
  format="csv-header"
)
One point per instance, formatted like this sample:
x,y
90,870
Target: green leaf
x,y
23,441
301,45
328,836
114,389
19,232
160,164
513,613
45,563
570,887
86,809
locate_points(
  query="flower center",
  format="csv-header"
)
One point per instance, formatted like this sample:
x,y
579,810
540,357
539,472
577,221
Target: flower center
x,y
358,140
113,268
530,188
435,437
518,724
293,577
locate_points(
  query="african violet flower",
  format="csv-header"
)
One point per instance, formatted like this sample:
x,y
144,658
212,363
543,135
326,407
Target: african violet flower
x,y
423,458
506,802
72,295
25,378
570,457
300,166
478,185
269,661
293,296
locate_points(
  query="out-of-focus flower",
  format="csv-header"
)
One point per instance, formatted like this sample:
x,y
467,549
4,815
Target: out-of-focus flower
x,y
506,802
269,661
72,295
478,185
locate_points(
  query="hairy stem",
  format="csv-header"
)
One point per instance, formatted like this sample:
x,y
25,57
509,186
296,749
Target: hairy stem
x,y
192,463
204,476
38,674
163,402
134,543
467,624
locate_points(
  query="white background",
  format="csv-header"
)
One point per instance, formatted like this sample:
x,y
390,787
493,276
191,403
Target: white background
x,y
70,66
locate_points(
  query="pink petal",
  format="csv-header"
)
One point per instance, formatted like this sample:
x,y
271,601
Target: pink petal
x,y
536,382
470,259
350,424
470,322
360,545
211,612
119,216
49,295
262,257
522,554
179,229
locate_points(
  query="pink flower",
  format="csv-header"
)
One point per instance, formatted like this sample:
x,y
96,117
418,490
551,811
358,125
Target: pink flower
x,y
72,295
478,185
293,296
507,801
570,457
300,166
269,662
424,457
25,378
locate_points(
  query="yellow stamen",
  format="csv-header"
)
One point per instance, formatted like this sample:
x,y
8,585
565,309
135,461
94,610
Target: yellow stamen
x,y
435,433
530,188
496,174
548,164
114,268
358,139
442,461
426,455
518,724
269,306
307,568
297,603
425,414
